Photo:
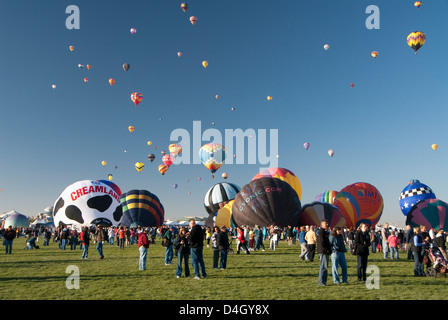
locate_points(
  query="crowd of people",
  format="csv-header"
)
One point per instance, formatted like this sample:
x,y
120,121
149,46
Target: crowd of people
x,y
187,243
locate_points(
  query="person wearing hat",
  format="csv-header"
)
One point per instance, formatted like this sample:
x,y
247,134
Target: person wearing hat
x,y
143,245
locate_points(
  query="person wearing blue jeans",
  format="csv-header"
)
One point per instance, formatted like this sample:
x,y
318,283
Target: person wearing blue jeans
x,y
324,251
183,253
196,240
85,238
100,240
417,252
169,249
143,245
338,256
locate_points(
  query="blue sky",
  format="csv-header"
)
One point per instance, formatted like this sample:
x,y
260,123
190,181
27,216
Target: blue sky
x,y
381,130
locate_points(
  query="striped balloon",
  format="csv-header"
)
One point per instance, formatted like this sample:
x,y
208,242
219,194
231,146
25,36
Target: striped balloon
x,y
163,169
430,213
141,208
136,97
326,196
306,145
416,40
219,195
314,212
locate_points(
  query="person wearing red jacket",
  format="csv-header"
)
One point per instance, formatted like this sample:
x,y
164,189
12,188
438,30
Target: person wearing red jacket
x,y
241,241
393,245
143,245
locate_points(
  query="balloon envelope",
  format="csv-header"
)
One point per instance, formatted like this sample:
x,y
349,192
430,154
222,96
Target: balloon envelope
x,y
223,217
416,40
431,213
141,208
136,97
360,203
327,196
219,195
139,166
126,66
266,202
212,156
314,212
284,175
413,193
88,202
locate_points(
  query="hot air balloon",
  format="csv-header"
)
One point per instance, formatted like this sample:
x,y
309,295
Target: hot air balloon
x,y
431,213
184,6
306,145
412,194
283,174
168,160
136,97
219,195
331,152
126,66
193,20
139,166
71,48
111,81
314,212
224,175
53,86
86,80
110,177
360,203
133,30
434,147
374,54
352,84
131,129
233,109
212,156
103,163
89,66
327,196
175,149
80,66
151,157
269,98
175,186
417,4
141,208
17,220
163,169
326,47
223,217
163,152
179,54
217,97
266,202
149,143
205,64
416,40
87,203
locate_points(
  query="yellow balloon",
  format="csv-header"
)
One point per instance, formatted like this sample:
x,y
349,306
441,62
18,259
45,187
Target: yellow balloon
x,y
149,143
110,177
103,163
205,64
435,146
224,214
269,98
139,166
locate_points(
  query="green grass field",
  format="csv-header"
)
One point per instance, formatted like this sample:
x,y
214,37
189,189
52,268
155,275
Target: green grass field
x,y
271,275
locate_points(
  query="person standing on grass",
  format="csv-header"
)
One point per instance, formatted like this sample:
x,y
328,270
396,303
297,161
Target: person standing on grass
x,y
417,251
409,239
259,239
223,246
169,249
385,235
121,237
85,240
324,251
183,252
362,243
242,244
303,244
99,241
196,241
9,234
338,251
143,245
393,245
214,241
310,238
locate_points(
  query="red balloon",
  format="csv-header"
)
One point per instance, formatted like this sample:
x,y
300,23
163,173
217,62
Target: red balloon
x,y
360,203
